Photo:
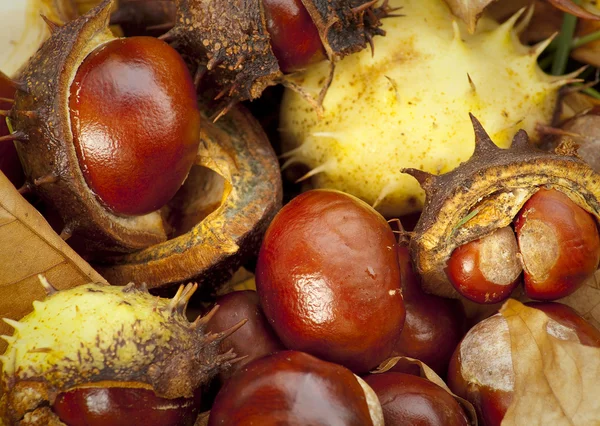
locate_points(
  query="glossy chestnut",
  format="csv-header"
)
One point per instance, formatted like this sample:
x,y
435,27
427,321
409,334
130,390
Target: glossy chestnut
x,y
295,39
486,270
481,369
329,281
135,123
295,388
410,400
434,325
123,406
254,339
559,245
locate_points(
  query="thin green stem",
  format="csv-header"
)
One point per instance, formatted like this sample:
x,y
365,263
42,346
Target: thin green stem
x,y
588,38
563,46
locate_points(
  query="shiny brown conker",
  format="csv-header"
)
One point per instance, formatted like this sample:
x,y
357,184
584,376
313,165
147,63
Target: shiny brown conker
x,y
434,325
329,281
481,368
295,39
254,339
294,388
410,400
135,123
486,270
116,405
559,244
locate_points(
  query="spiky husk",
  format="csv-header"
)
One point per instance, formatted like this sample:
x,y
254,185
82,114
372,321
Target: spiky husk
x,y
41,118
408,105
486,193
231,37
96,333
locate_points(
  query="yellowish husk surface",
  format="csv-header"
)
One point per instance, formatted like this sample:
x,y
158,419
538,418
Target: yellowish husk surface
x,y
408,105
89,328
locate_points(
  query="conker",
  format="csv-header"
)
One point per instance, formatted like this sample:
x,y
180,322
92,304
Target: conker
x,y
559,244
410,400
486,270
294,36
135,123
254,339
434,325
294,388
123,406
107,130
481,369
329,281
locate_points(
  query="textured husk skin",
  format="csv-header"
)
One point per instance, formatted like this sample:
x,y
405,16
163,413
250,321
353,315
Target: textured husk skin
x,y
233,34
495,183
172,356
50,150
231,235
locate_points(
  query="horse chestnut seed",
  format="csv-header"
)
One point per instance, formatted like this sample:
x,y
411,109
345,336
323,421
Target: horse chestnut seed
x,y
294,36
481,369
486,270
135,123
252,341
410,400
294,388
559,244
329,281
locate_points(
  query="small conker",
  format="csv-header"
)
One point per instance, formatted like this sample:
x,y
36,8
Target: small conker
x,y
410,400
252,341
559,244
329,281
434,325
481,369
294,36
486,270
294,388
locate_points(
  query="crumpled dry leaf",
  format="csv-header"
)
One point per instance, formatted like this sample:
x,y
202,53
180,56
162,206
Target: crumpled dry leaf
x,y
557,382
469,11
28,247
586,300
414,366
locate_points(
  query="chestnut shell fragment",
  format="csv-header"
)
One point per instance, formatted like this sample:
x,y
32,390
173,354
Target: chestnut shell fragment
x,y
485,193
237,168
232,37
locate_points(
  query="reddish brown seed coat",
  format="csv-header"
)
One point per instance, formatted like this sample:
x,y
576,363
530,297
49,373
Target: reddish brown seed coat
x,y
559,243
481,279
95,406
433,326
328,279
412,400
135,123
294,36
255,339
491,402
291,388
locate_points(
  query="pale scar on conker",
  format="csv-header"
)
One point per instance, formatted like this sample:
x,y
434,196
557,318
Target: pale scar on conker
x,y
487,193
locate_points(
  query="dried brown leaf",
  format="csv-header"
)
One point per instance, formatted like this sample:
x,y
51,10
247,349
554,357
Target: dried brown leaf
x,y
404,364
557,382
28,247
569,6
469,11
586,300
